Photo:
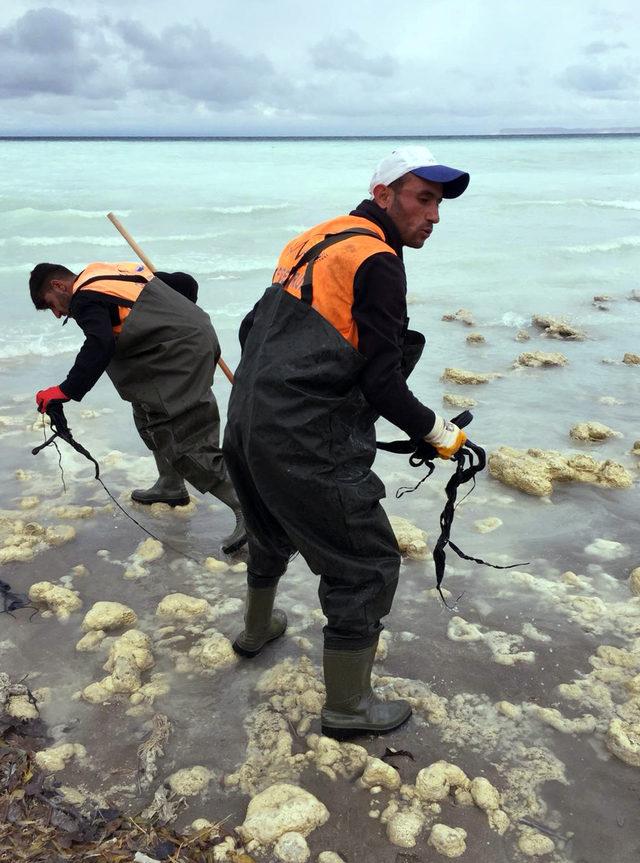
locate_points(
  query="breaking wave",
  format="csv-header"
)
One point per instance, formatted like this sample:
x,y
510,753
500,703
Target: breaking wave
x,y
579,202
610,246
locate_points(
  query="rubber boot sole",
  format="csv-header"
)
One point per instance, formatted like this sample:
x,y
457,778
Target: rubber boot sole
x,y
171,501
234,546
249,654
359,731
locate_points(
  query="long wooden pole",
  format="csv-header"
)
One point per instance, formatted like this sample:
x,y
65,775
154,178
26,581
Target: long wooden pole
x,y
145,260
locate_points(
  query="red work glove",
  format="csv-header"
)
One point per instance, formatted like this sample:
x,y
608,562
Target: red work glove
x,y
43,397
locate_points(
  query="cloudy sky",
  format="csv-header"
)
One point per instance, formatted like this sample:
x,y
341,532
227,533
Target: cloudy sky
x,y
279,67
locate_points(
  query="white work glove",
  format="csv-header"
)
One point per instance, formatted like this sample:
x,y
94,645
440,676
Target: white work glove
x,y
445,437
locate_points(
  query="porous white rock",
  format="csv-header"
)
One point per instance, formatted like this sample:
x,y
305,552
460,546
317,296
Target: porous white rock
x,y
486,525
281,809
212,564
55,759
181,607
484,794
467,378
458,401
634,581
534,471
404,828
215,651
592,431
59,534
378,772
462,315
129,655
60,600
73,511
606,549
292,848
329,857
91,641
189,781
149,550
30,502
623,739
109,615
411,539
631,359
448,841
436,781
539,359
535,844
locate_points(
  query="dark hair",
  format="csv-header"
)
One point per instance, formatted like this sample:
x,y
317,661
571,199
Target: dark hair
x,y
40,281
399,183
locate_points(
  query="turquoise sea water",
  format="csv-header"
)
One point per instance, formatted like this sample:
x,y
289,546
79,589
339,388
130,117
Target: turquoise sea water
x,y
543,221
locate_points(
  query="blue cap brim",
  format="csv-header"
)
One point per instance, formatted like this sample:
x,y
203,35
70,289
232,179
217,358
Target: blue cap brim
x,y
454,182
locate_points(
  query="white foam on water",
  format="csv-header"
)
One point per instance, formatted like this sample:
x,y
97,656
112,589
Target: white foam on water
x,y
105,241
577,202
609,246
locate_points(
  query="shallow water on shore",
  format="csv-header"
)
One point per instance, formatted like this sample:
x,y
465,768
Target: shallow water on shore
x,y
519,683
521,636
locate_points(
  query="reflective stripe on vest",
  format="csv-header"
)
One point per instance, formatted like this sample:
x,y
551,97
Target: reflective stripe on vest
x,y
122,280
334,269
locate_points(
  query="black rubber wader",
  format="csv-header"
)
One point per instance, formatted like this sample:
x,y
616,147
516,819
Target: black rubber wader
x,y
164,364
299,445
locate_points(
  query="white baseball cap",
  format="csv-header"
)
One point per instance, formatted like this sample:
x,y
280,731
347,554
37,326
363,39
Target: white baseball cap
x,y
422,162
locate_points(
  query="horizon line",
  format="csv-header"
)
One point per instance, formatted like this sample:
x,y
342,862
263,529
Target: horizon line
x,y
533,133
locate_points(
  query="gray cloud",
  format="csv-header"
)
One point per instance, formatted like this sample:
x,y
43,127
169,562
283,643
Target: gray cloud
x,y
185,59
600,47
44,51
612,82
348,53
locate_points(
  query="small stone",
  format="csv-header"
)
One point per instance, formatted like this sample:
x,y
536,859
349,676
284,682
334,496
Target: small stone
x,y
634,581
631,359
538,359
292,848
404,828
91,641
535,844
179,606
485,796
448,841
378,772
486,525
458,401
189,781
109,615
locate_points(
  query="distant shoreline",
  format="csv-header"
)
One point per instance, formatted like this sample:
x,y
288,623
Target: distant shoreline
x,y
497,136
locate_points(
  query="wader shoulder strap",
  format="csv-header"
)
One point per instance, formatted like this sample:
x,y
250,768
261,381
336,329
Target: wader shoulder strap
x,y
311,255
90,281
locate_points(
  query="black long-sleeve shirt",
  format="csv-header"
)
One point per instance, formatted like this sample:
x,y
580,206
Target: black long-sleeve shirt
x,y
96,314
380,313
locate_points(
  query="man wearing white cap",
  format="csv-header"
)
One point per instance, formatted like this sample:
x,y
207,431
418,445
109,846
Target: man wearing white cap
x,y
324,353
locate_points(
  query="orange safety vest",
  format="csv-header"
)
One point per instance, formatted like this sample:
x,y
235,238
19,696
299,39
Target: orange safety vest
x,y
123,280
334,269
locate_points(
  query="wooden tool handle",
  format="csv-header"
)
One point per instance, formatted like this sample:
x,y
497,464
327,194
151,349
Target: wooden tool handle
x,y
145,260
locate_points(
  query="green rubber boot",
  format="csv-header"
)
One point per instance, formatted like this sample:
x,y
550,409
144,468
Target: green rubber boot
x,y
168,488
351,707
262,622
226,493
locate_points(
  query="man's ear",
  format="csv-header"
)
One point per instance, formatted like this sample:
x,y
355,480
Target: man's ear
x,y
383,195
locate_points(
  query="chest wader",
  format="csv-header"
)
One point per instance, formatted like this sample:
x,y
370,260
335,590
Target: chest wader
x,y
299,445
163,364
